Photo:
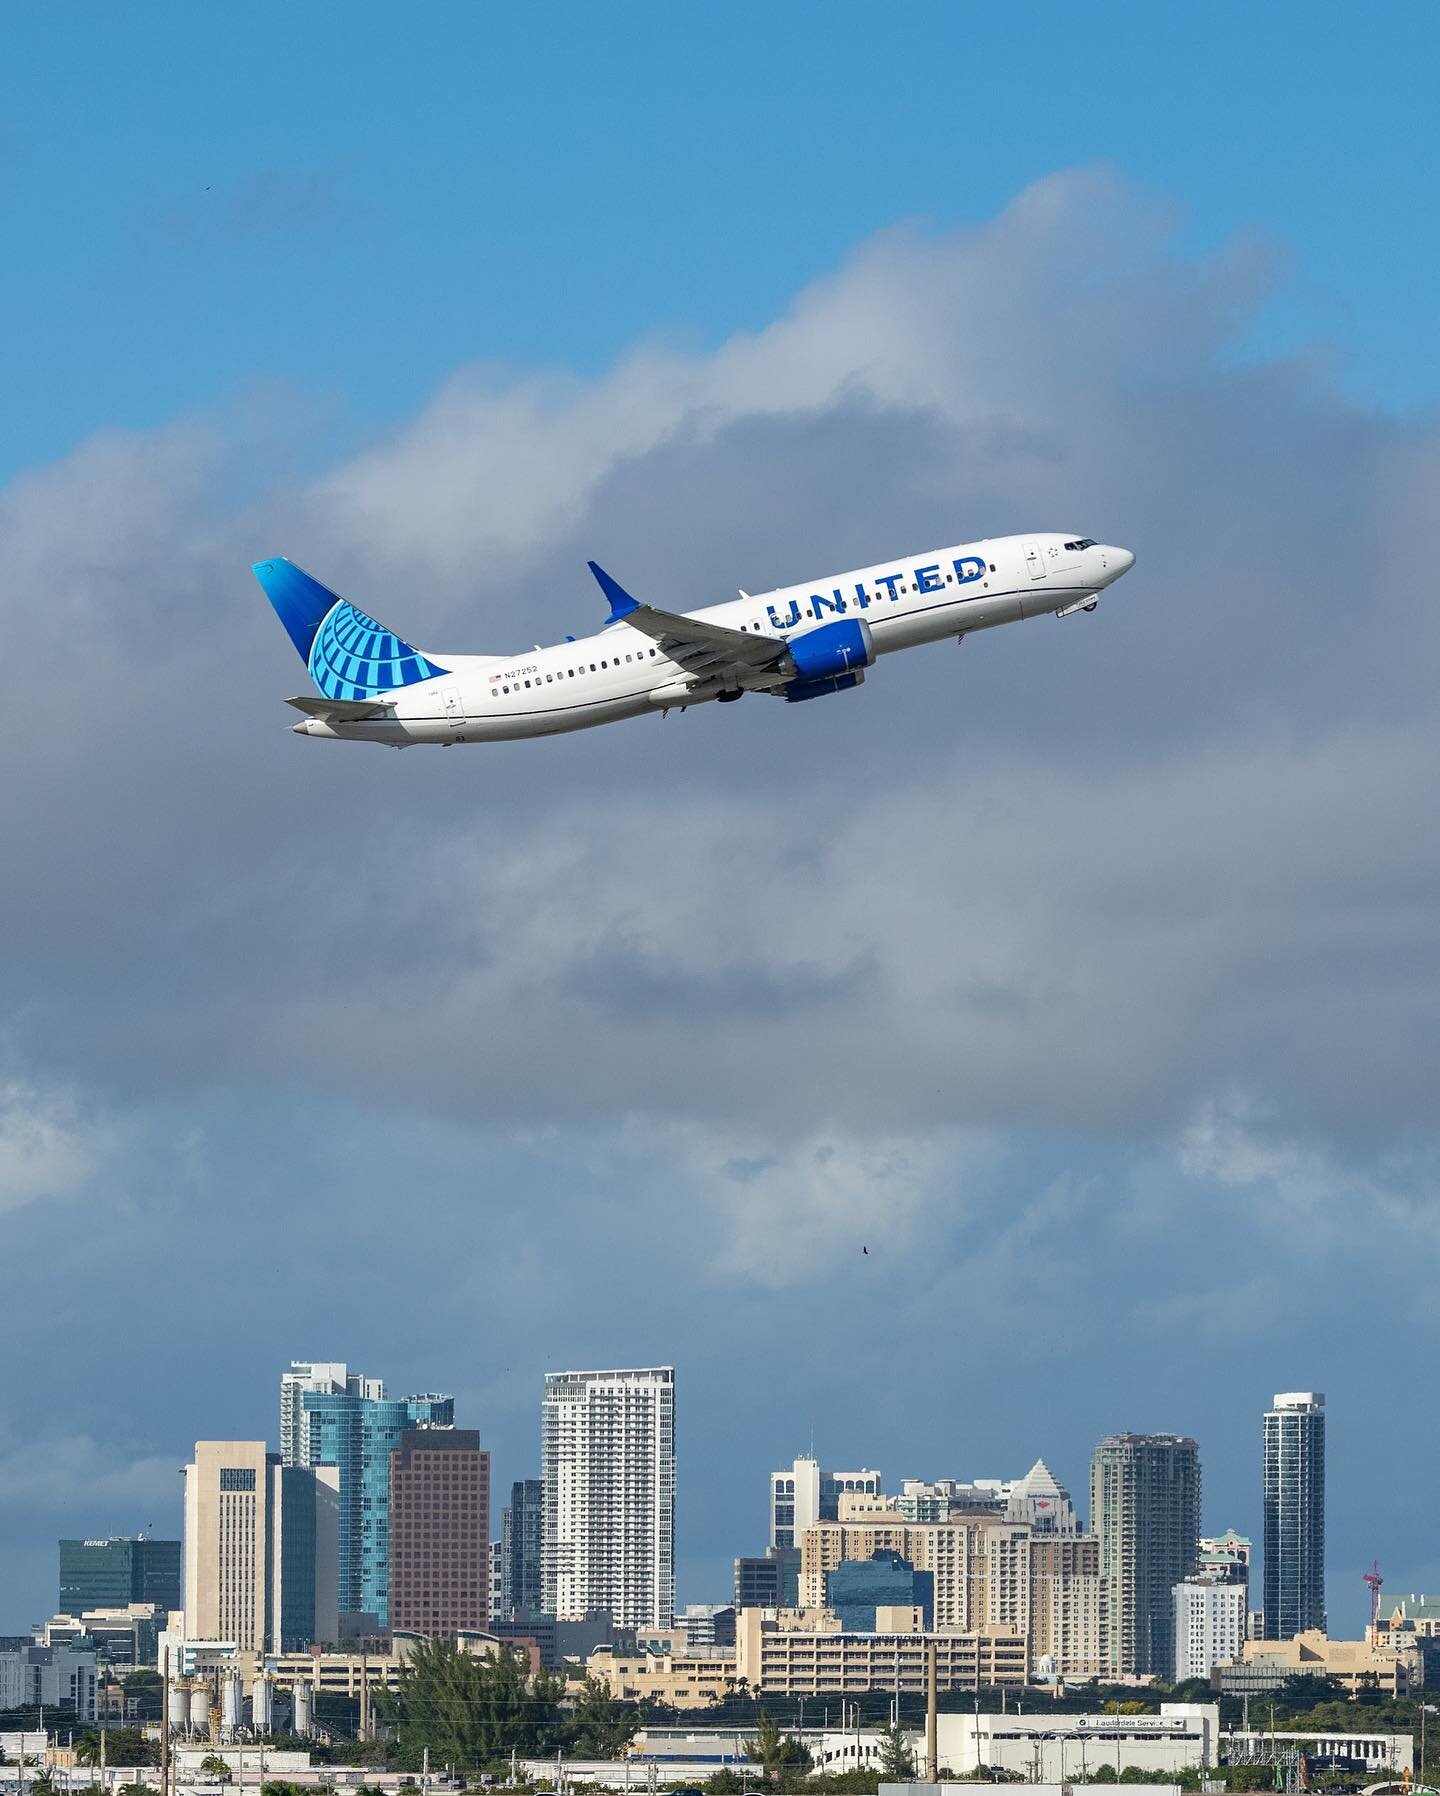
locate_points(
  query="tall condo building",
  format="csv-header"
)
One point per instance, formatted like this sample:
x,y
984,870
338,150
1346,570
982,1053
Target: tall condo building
x,y
112,1574
331,1417
1145,1511
1294,1514
332,1378
439,1532
608,1470
522,1540
805,1495
261,1539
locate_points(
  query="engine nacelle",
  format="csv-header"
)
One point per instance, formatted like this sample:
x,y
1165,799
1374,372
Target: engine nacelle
x,y
832,651
803,689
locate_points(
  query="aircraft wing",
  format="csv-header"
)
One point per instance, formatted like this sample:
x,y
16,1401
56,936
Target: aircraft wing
x,y
706,651
342,710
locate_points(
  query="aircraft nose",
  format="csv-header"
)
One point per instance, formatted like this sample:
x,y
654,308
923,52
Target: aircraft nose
x,y
1121,559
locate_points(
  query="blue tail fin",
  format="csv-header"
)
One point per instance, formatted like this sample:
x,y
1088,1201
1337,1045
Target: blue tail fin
x,y
348,654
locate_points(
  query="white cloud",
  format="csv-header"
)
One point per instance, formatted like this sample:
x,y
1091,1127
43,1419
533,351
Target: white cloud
x,y
46,1151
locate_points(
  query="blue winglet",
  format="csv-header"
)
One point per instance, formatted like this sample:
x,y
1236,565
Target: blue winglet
x,y
621,604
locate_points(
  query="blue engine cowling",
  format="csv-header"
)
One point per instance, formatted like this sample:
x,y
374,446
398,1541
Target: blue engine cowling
x,y
803,689
831,658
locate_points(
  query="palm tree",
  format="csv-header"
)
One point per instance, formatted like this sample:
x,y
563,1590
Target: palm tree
x,y
214,1766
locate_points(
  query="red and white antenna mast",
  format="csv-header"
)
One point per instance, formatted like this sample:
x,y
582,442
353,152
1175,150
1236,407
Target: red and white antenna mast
x,y
1374,1580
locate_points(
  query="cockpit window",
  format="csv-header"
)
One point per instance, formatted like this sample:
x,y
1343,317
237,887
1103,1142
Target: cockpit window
x,y
1085,542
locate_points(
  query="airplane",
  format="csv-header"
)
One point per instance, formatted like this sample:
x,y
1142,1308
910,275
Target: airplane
x,y
795,643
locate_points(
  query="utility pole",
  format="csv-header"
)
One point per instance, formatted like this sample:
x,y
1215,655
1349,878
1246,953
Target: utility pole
x,y
932,1715
164,1723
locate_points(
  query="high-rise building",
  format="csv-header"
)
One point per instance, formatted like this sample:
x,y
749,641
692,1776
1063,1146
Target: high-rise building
x,y
707,1626
522,1538
771,1581
608,1470
330,1417
1065,1605
1041,1500
1225,1558
439,1532
1145,1511
980,1567
500,1605
856,1588
113,1573
1209,1626
331,1378
1294,1514
261,1559
805,1495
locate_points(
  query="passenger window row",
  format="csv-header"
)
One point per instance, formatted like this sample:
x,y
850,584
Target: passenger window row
x,y
569,673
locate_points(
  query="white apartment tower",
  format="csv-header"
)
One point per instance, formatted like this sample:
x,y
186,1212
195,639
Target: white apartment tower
x,y
1210,1626
608,1468
806,1495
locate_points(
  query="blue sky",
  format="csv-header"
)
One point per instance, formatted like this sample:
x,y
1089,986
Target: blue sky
x,y
1092,988
356,201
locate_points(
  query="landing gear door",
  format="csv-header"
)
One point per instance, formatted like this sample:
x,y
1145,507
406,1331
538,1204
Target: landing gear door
x,y
454,714
1034,561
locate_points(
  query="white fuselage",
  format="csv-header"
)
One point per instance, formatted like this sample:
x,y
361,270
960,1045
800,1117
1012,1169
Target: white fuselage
x,y
619,672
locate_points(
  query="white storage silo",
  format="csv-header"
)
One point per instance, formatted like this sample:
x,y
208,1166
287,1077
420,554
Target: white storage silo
x,y
262,1705
230,1710
200,1706
302,1708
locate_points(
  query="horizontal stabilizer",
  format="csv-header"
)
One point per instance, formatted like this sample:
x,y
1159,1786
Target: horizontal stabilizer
x,y
341,710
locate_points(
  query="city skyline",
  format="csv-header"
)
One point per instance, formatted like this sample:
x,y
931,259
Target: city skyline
x,y
771,1486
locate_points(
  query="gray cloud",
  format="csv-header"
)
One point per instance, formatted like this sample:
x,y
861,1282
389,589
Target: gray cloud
x,y
1094,870
1037,958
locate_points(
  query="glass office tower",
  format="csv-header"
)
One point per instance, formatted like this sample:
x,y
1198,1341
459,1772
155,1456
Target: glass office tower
x,y
1294,1514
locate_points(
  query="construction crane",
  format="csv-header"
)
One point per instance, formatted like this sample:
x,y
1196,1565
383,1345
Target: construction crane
x,y
1374,1580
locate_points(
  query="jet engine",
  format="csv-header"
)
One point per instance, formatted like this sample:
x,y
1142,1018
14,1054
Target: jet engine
x,y
830,659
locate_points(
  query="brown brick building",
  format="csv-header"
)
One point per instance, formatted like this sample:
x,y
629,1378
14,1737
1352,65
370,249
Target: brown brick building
x,y
439,1532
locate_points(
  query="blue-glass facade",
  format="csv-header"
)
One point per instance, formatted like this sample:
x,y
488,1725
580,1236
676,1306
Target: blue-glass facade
x,y
857,1587
358,1434
108,1574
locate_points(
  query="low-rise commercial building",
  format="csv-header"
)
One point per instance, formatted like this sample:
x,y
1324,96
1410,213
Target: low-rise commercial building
x,y
55,1676
803,1653
1355,1665
681,1680
1049,1748
126,1636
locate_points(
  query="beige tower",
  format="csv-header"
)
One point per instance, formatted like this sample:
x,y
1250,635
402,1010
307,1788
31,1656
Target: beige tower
x,y
226,1543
